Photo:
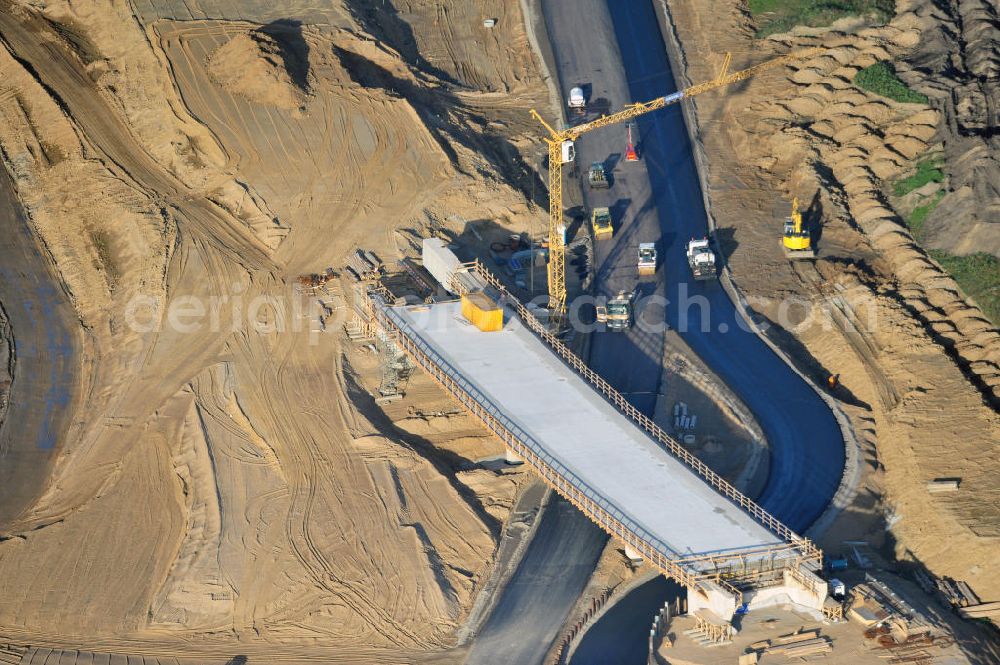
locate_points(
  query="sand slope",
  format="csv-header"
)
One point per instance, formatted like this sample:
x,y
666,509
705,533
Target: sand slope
x,y
230,475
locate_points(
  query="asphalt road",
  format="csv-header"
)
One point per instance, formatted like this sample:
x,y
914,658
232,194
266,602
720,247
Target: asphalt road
x,y
47,344
617,49
616,52
548,581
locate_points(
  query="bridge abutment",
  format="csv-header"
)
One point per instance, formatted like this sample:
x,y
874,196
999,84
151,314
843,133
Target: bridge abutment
x,y
799,587
708,596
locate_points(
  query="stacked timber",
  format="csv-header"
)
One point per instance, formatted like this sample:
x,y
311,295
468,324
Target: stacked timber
x,y
958,593
981,611
797,645
12,654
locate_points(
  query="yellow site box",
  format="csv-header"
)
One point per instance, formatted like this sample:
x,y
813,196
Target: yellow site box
x,y
482,311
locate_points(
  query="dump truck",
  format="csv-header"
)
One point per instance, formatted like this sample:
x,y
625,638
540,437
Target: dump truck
x,y
796,239
617,314
600,221
597,178
647,258
701,258
577,103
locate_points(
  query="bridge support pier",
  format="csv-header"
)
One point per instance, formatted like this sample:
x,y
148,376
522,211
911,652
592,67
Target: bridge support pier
x,y
799,587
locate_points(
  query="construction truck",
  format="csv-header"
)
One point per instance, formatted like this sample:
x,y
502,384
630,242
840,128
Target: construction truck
x,y
568,151
796,239
597,178
600,221
617,314
577,103
701,259
647,258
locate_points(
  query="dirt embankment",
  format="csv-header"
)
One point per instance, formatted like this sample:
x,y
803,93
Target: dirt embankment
x,y
957,65
918,363
262,67
230,476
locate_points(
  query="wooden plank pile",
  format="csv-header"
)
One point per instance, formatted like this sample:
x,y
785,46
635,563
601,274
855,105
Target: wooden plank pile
x,y
914,650
802,644
364,265
12,654
939,485
981,611
958,593
315,280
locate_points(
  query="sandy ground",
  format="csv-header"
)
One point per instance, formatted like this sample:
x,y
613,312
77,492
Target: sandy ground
x,y
231,487
232,482
917,362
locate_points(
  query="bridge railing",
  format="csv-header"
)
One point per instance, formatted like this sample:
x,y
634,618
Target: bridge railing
x,y
805,546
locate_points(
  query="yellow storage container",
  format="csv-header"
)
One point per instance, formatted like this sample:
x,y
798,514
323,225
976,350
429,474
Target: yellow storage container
x,y
482,311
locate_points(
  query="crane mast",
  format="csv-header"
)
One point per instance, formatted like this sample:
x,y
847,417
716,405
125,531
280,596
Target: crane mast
x,y
557,233
558,140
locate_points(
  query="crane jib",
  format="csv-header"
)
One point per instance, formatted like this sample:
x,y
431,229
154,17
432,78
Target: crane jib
x,y
675,97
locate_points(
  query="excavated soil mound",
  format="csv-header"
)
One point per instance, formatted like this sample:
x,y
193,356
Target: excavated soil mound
x,y
263,67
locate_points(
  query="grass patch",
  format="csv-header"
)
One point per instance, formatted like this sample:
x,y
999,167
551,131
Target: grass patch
x,y
881,79
928,170
774,16
105,259
915,220
979,277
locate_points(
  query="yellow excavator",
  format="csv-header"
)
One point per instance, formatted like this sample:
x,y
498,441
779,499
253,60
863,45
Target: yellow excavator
x,y
796,238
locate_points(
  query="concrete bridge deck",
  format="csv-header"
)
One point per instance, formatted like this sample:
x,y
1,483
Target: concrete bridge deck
x,y
589,443
579,433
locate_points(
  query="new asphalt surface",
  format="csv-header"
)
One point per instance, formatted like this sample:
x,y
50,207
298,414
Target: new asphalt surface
x,y
616,52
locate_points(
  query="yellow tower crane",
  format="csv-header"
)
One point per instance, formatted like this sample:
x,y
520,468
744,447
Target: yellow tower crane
x,y
562,151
